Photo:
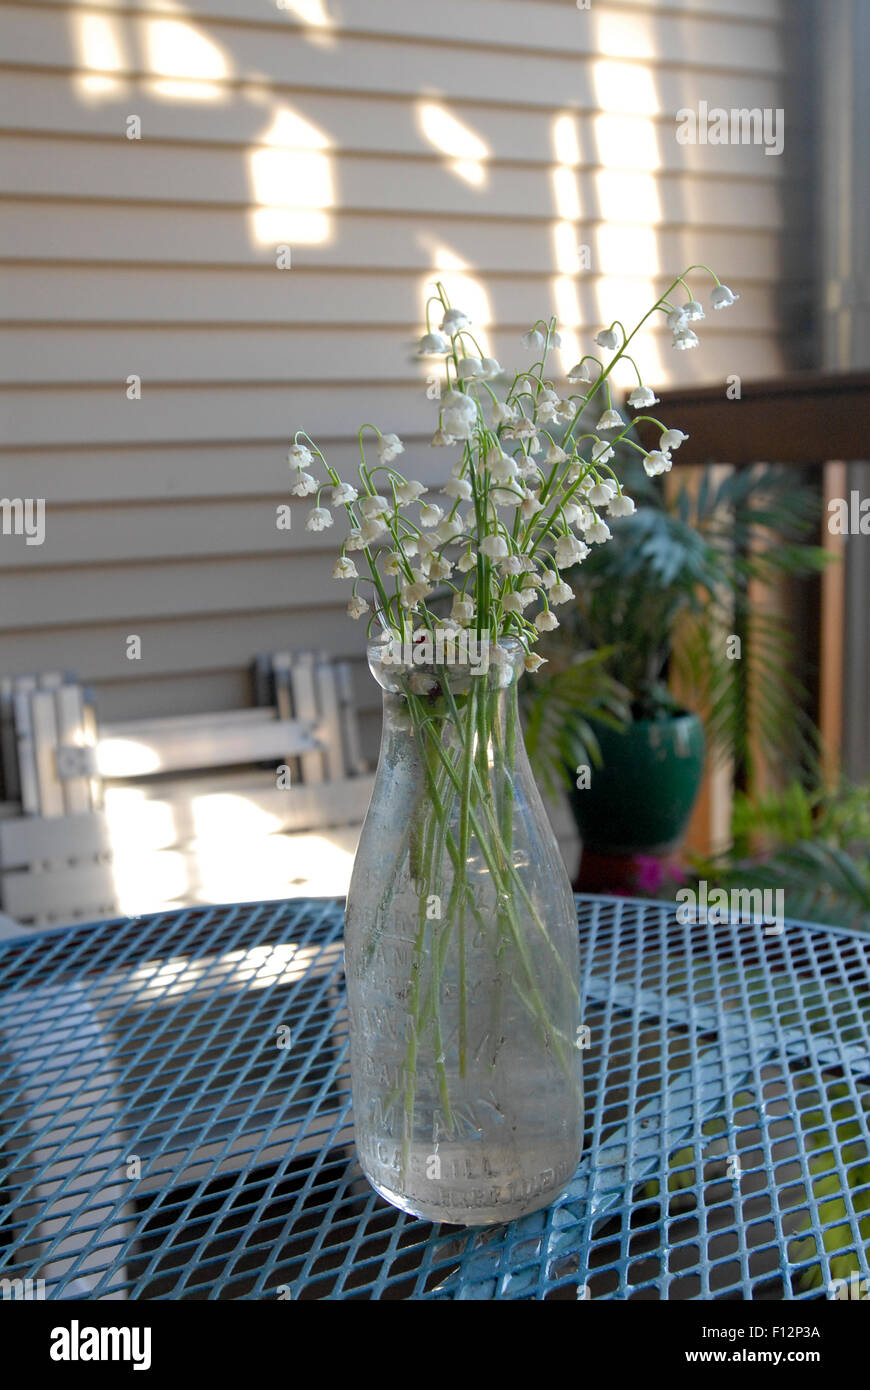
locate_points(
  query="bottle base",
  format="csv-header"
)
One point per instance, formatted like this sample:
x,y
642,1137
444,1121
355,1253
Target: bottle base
x,y
465,1207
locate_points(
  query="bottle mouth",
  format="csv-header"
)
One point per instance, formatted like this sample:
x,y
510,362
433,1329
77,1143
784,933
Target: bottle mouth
x,y
409,666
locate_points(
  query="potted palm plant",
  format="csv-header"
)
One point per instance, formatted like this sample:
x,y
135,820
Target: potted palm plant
x,y
670,593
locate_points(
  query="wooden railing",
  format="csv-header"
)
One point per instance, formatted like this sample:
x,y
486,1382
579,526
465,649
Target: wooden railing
x,y
818,420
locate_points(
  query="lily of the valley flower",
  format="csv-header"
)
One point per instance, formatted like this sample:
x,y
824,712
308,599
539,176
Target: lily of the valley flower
x,y
373,529
599,495
657,462
470,367
530,505
580,373
694,311
547,410
502,469
433,345
534,339
642,397
454,321
430,515
569,551
417,590
546,621
374,506
723,298
437,567
458,487
620,505
357,607
462,610
299,456
343,495
305,485
685,338
608,338
533,662
672,439
345,569
442,440
459,415
490,368
389,447
610,420
560,593
318,519
409,491
602,452
503,413
466,562
556,454
516,564
449,529
598,532
494,546
677,319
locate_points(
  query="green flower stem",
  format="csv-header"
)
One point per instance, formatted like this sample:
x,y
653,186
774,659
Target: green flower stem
x,y
485,812
503,869
464,844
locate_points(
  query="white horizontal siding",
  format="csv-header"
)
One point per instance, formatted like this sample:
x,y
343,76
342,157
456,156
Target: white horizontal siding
x,y
126,257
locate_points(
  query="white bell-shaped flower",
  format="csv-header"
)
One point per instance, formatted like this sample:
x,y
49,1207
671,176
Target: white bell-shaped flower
x,y
319,518
454,321
685,339
642,397
306,483
723,298
657,462
433,345
608,338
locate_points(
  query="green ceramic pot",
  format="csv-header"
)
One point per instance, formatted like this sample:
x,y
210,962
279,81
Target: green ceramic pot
x,y
641,797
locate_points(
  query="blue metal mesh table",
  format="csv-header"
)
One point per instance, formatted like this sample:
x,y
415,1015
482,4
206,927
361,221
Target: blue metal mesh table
x,y
175,1118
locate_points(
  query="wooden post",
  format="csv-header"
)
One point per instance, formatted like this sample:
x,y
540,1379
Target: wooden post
x,y
833,621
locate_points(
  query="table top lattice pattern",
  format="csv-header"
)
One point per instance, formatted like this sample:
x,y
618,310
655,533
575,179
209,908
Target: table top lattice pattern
x,y
162,1140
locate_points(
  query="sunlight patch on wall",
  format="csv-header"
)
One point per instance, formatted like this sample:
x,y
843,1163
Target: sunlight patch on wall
x,y
315,15
566,233
625,88
449,135
188,66
292,182
629,205
98,39
625,36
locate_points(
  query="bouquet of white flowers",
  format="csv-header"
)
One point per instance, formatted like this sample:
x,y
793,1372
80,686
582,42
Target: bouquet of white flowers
x,y
527,498
459,912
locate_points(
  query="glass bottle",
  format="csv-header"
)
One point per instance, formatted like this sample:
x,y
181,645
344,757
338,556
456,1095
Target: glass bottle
x,y
461,950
